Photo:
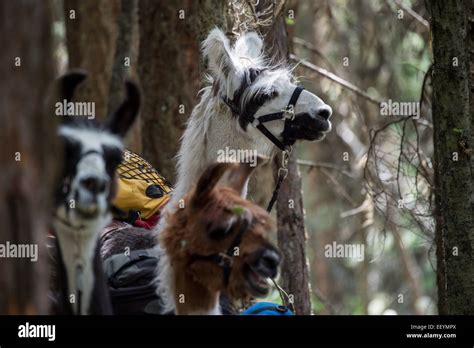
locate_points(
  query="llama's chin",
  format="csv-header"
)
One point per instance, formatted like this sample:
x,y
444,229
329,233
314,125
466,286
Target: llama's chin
x,y
88,211
315,136
257,284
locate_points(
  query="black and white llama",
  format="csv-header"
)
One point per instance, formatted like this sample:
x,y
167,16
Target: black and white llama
x,y
82,200
245,93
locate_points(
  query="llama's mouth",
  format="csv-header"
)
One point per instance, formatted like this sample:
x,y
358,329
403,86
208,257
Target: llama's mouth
x,y
306,127
88,211
257,283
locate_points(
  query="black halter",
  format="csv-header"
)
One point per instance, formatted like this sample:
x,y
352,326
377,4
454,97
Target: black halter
x,y
225,259
287,114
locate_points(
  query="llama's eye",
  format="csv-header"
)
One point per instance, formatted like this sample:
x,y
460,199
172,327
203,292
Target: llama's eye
x,y
72,151
222,231
261,98
253,74
71,146
273,94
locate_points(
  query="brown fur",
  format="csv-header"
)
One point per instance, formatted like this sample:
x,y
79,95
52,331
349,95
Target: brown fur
x,y
208,208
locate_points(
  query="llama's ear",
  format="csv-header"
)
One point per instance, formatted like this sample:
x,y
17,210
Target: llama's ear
x,y
217,51
208,181
249,45
239,175
66,84
63,90
122,120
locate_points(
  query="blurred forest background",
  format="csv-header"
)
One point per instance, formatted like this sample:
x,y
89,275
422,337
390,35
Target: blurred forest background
x,y
355,199
369,182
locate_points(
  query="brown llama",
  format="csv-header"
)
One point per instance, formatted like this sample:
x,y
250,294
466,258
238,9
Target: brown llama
x,y
217,243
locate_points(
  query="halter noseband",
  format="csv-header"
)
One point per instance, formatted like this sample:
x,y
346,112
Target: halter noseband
x,y
225,259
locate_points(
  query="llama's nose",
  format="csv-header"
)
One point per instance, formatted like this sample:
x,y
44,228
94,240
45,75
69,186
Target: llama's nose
x,y
324,112
268,263
93,184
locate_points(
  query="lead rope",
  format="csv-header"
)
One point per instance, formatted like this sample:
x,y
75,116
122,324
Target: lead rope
x,y
282,174
285,298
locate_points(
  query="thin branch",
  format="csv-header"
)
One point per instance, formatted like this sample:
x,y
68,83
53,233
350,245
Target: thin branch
x,y
335,78
310,47
325,165
410,269
399,162
338,187
361,208
413,13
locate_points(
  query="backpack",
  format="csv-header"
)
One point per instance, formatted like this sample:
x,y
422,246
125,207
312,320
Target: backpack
x,y
141,192
267,308
132,282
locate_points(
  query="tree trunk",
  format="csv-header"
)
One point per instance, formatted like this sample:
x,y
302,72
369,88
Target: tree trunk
x,y
290,211
170,35
124,65
91,34
123,59
28,153
453,157
292,238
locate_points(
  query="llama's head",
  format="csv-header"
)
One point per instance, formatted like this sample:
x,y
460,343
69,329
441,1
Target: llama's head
x,y
252,88
219,240
91,154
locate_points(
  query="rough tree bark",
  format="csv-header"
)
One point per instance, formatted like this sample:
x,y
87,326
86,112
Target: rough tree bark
x,y
123,51
289,206
292,238
125,65
25,188
453,123
170,34
91,34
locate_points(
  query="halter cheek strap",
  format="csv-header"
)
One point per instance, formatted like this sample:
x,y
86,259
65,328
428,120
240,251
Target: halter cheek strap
x,y
287,114
225,259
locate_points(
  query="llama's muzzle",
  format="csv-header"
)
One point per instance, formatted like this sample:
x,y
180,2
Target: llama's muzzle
x,y
265,265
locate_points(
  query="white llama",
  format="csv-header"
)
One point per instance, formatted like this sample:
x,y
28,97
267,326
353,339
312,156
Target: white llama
x,y
243,88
